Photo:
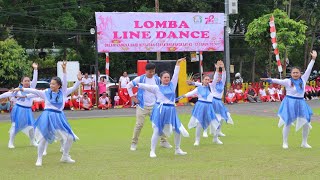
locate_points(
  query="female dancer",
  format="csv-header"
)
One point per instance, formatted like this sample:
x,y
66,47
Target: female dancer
x,y
293,107
217,90
203,114
164,116
21,114
52,123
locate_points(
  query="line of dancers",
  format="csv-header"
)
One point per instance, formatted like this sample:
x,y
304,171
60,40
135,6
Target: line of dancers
x,y
52,124
155,98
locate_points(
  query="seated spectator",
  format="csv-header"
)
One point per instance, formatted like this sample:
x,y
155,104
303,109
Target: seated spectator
x,y
263,95
252,95
4,105
104,102
239,93
76,100
69,103
310,92
38,103
116,100
231,96
13,101
85,102
317,89
273,93
280,92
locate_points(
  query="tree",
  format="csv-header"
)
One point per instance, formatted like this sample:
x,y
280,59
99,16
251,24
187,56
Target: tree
x,y
13,63
289,33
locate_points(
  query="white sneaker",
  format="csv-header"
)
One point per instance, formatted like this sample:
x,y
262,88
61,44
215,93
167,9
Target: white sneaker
x,y
133,147
180,152
72,108
285,146
196,143
67,159
39,162
306,145
10,145
44,153
220,134
217,141
153,154
33,143
205,134
166,145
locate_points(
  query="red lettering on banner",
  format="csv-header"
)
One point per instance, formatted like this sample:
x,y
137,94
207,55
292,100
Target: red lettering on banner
x,y
160,24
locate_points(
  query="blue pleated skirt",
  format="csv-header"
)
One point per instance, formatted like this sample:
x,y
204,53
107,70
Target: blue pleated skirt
x,y
294,109
204,114
221,111
165,118
22,117
53,125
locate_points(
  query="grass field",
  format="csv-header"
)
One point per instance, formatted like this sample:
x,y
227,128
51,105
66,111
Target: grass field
x,y
252,149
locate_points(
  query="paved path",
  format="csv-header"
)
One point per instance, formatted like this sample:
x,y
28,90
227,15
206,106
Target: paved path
x,y
256,109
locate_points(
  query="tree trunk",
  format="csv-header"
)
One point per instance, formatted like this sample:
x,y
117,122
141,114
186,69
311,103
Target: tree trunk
x,y
306,51
253,67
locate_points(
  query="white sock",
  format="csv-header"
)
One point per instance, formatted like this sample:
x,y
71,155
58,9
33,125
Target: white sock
x,y
198,132
31,135
11,133
177,140
285,133
67,145
41,147
305,133
154,139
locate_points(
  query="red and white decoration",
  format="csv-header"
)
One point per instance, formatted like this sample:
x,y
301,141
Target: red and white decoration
x,y
274,42
107,64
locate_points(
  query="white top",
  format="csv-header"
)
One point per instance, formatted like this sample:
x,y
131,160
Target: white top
x,y
65,92
77,98
195,92
279,91
124,81
148,97
103,100
155,88
28,101
272,91
214,82
291,90
238,91
86,82
38,99
116,98
86,101
231,95
262,92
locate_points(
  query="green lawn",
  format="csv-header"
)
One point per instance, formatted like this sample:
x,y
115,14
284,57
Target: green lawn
x,y
252,150
316,111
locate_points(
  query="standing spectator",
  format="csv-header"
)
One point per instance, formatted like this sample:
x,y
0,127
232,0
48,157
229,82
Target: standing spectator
x,y
231,96
123,92
86,102
4,105
263,95
87,84
116,100
252,95
102,86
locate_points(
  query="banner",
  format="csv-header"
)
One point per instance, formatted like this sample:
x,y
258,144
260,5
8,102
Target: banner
x,y
159,32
